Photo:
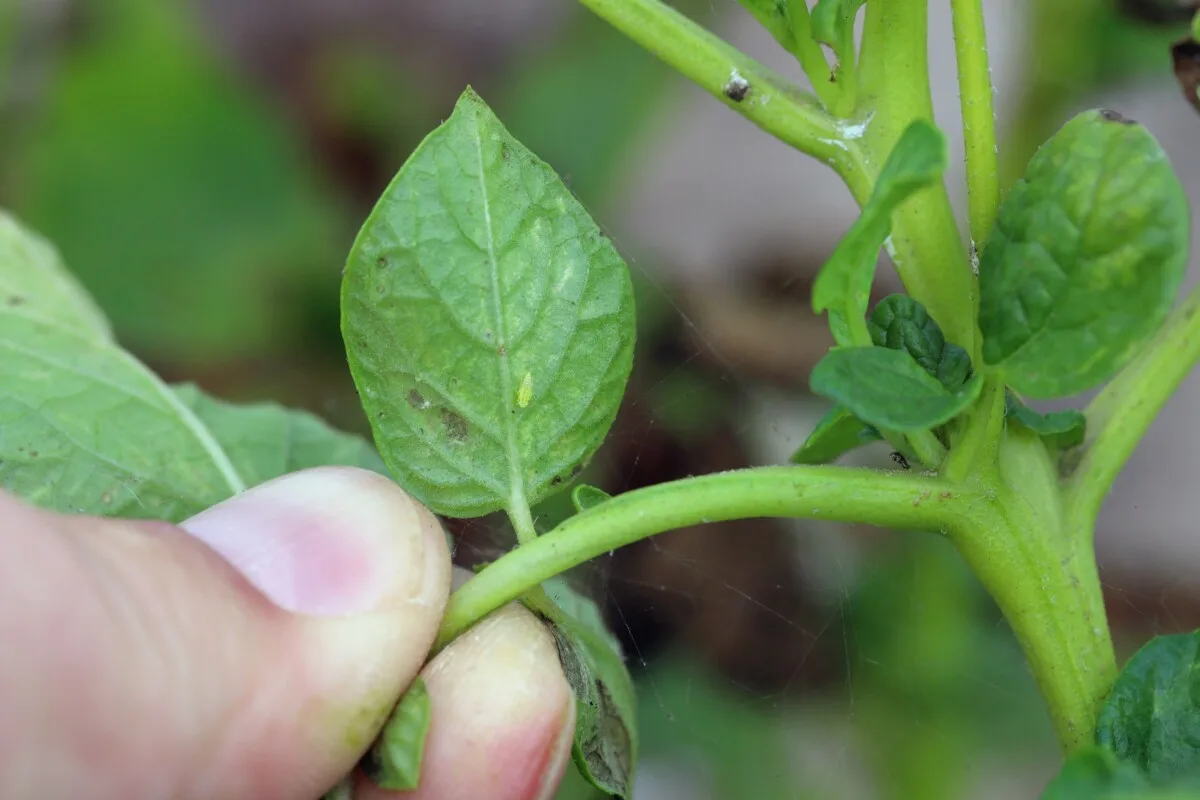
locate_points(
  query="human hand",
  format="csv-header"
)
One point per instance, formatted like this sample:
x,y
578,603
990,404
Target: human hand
x,y
253,651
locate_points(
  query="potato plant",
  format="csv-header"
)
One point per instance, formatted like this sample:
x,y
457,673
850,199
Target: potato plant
x,y
489,326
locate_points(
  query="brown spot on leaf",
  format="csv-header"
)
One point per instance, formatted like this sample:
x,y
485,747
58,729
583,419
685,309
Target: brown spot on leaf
x,y
15,300
381,262
1186,55
416,399
33,453
456,426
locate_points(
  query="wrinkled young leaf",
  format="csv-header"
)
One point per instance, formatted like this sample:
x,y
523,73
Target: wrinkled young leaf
x,y
837,433
606,744
1096,774
489,324
33,279
1152,717
394,761
901,323
888,389
584,497
1085,259
1060,430
266,440
843,286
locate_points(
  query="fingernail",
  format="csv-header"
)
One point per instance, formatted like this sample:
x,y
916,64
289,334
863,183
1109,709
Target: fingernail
x,y
330,541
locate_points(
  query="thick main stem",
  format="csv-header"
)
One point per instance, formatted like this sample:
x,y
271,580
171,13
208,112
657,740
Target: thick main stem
x,y
1046,584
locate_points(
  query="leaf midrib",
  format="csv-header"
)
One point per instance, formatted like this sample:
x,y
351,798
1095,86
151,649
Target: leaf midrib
x,y
199,431
511,444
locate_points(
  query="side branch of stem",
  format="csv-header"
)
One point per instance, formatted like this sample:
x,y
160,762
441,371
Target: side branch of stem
x,y
896,500
769,101
1120,415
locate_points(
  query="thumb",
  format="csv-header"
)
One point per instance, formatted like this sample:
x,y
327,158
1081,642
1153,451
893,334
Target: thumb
x,y
252,652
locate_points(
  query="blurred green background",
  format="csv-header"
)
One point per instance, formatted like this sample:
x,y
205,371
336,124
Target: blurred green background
x,y
203,167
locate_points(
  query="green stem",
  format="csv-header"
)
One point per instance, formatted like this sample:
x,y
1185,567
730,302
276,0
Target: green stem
x,y
925,243
1119,416
894,500
521,519
808,53
1046,584
976,449
771,102
979,118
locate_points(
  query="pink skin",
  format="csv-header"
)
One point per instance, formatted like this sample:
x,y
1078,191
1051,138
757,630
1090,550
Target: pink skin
x,y
249,652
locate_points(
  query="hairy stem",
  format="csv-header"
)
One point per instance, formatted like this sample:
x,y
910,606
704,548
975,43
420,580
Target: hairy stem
x,y
1046,584
1119,416
979,117
925,243
976,449
521,519
770,102
841,494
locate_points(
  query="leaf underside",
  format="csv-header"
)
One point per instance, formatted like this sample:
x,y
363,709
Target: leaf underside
x,y
489,324
87,428
606,744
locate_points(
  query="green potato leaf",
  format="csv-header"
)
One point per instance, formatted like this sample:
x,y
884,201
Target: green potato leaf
x,y
1060,430
85,427
266,440
1085,259
901,323
1152,717
836,434
584,497
33,278
606,743
394,761
1097,774
888,388
489,324
843,286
